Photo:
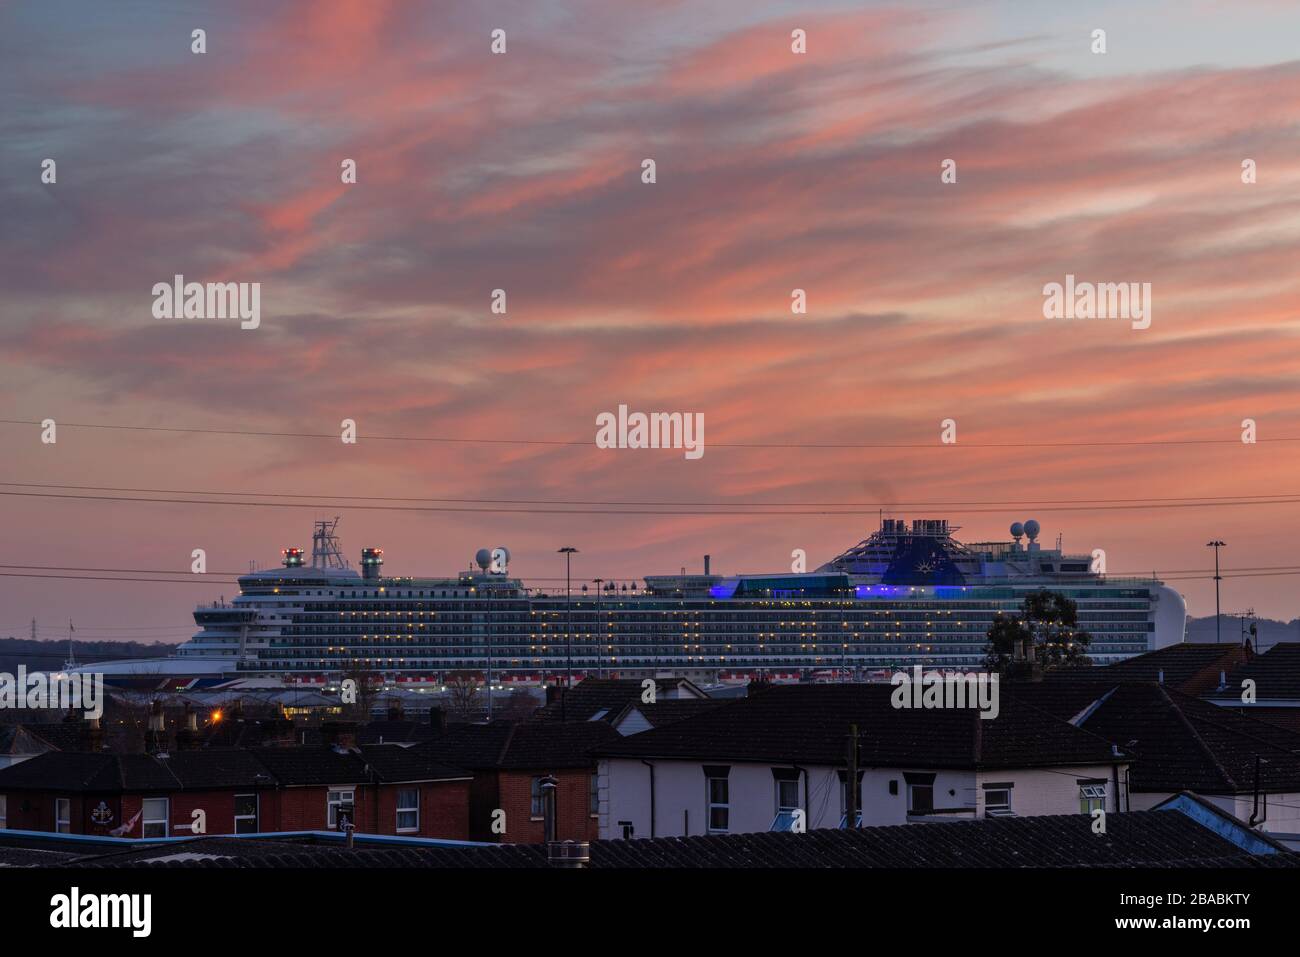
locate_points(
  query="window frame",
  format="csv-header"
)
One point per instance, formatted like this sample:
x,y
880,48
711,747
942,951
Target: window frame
x,y
594,796
256,815
62,825
146,821
1093,802
415,810
4,812
536,806
723,806
333,804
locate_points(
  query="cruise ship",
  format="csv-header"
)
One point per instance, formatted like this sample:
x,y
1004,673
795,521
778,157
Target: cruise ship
x,y
906,595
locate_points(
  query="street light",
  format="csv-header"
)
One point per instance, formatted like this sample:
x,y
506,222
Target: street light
x,y
568,552
1216,545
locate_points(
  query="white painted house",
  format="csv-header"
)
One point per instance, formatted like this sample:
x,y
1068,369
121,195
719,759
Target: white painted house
x,y
765,762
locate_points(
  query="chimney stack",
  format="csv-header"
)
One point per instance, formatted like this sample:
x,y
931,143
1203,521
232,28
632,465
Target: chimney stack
x,y
437,718
156,736
339,734
187,738
568,854
547,786
371,561
706,564
93,735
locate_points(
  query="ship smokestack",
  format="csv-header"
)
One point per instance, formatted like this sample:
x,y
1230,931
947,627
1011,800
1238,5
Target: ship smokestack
x,y
371,560
292,557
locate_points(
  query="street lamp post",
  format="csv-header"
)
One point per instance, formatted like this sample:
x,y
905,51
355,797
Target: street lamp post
x,y
568,552
1216,545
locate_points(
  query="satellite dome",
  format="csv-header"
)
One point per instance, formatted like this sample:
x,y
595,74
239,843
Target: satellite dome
x,y
1031,528
483,558
1017,529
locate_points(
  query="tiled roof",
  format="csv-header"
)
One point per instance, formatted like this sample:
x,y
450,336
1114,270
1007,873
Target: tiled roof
x,y
15,739
63,735
1161,838
810,724
604,696
1179,742
531,745
1191,667
666,712
1276,672
215,769
1137,839
218,852
401,731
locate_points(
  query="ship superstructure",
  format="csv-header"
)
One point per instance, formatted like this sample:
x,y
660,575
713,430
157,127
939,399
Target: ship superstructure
x,y
906,595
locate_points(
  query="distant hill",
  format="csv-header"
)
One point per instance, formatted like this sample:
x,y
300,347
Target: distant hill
x,y
50,655
1270,631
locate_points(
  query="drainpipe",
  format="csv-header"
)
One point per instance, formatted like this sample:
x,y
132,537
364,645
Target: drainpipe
x,y
652,795
1255,819
807,805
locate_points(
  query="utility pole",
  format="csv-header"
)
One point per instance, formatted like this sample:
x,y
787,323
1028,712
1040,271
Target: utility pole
x,y
1216,545
851,785
600,628
567,551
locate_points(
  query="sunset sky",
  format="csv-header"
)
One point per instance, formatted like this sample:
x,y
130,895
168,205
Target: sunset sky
x,y
522,171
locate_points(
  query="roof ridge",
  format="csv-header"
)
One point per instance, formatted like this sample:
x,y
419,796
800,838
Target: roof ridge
x,y
1196,737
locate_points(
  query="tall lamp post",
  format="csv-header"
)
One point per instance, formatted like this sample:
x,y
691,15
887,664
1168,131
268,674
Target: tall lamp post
x,y
568,553
1216,545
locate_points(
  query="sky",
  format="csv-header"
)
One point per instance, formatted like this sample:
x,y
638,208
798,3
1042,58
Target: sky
x,y
522,171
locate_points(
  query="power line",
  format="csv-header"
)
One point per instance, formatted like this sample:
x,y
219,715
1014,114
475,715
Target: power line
x,y
1203,499
724,445
731,511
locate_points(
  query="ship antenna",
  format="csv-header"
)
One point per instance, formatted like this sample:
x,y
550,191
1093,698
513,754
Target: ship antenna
x,y
325,549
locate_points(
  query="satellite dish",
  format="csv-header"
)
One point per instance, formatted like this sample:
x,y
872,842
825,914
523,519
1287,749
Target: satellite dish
x,y
1031,529
483,558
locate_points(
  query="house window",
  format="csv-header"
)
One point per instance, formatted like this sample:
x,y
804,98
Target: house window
x,y
408,809
787,796
535,805
245,813
718,793
154,817
920,792
996,801
1092,797
335,800
4,812
62,815
595,794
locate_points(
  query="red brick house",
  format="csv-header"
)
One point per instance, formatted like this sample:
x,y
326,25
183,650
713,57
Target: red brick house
x,y
392,790
509,761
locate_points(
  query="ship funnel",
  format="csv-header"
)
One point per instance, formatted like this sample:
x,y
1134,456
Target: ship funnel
x,y
292,557
371,560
